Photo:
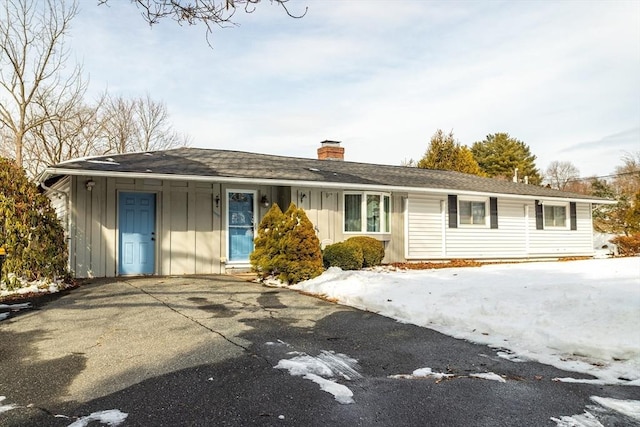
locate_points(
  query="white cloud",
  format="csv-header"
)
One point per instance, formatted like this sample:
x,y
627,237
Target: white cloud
x,y
377,75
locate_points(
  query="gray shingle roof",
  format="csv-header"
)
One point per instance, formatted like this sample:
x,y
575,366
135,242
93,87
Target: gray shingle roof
x,y
237,164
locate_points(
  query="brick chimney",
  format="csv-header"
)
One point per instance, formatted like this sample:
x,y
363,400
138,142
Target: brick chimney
x,y
330,150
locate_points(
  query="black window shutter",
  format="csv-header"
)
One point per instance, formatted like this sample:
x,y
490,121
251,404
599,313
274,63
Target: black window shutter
x,y
573,215
453,210
539,216
493,210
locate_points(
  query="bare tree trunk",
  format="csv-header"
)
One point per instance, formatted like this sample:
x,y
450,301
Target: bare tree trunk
x,y
32,57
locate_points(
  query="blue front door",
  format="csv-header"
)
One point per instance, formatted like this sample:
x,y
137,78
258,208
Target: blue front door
x,y
137,225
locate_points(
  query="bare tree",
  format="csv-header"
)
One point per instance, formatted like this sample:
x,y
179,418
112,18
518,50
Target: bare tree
x,y
560,174
32,68
211,13
140,124
74,134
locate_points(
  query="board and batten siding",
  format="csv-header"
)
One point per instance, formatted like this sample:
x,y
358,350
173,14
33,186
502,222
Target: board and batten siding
x,y
429,237
188,235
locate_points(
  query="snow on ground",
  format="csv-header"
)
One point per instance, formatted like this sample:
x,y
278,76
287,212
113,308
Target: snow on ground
x,y
43,286
580,316
323,370
112,418
605,409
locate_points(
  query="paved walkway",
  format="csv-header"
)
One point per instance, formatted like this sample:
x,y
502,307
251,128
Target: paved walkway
x,y
203,351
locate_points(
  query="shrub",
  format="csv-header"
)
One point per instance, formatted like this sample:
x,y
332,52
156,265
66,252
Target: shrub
x,y
29,229
372,250
300,255
346,255
287,246
627,245
264,258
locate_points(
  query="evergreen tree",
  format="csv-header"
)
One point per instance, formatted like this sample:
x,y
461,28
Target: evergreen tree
x,y
500,154
29,229
445,153
267,244
300,255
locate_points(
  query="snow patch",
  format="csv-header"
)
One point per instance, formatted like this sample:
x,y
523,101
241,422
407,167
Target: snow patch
x,y
630,408
322,370
422,373
594,414
579,316
340,392
6,408
111,417
489,376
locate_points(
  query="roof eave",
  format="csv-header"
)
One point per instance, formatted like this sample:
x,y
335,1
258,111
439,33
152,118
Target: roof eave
x,y
53,171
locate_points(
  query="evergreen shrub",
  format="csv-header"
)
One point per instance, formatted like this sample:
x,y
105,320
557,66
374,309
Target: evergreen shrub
x,y
346,255
372,250
29,229
287,246
266,250
300,254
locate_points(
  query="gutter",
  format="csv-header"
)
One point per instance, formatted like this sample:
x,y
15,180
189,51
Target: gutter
x,y
313,184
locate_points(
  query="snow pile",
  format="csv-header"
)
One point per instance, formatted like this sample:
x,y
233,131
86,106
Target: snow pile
x,y
322,370
580,316
422,373
42,286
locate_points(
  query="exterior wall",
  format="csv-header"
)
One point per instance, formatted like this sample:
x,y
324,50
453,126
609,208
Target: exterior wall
x,y
191,236
324,207
191,226
430,238
549,242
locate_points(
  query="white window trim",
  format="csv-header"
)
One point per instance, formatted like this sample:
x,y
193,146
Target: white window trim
x,y
363,212
225,204
487,214
567,219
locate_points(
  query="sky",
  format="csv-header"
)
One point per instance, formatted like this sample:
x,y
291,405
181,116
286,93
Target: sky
x,y
382,77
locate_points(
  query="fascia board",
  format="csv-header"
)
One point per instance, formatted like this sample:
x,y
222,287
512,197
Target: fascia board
x,y
300,183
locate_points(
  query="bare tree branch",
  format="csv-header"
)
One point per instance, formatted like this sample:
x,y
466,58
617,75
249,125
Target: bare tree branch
x,y
211,13
32,62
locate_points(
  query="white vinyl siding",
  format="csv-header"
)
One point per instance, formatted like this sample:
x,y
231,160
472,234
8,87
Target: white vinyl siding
x,y
507,241
424,227
428,235
563,241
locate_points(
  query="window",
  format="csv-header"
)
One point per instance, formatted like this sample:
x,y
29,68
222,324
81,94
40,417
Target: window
x,y
367,212
473,212
555,216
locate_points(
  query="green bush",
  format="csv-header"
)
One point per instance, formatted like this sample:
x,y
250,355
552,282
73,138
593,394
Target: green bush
x,y
29,229
300,255
627,245
265,256
287,246
346,255
372,250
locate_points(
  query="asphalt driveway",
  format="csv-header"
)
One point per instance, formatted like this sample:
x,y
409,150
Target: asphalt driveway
x,y
207,351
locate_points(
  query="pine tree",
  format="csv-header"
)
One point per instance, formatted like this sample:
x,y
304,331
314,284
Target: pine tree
x,y
267,244
300,255
499,155
445,153
29,229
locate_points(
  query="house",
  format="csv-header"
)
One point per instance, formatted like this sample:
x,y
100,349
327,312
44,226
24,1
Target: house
x,y
195,211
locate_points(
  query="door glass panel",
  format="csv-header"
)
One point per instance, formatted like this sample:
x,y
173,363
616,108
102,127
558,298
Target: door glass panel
x,y
240,226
